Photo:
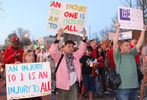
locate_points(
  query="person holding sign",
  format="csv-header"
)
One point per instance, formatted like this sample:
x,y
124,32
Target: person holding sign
x,y
29,57
126,66
69,70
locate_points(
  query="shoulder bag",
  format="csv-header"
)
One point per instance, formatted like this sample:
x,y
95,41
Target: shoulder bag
x,y
113,79
53,90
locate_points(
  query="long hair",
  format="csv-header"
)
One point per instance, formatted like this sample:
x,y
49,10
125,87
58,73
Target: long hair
x,y
26,52
102,53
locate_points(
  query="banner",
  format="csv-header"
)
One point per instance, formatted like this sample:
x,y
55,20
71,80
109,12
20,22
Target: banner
x,y
122,35
70,17
130,18
28,80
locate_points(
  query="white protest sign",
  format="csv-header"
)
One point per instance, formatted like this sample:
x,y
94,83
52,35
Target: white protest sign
x,y
122,36
28,80
70,17
130,18
111,35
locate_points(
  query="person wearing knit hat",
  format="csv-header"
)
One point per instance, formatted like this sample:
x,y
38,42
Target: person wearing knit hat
x,y
15,39
14,53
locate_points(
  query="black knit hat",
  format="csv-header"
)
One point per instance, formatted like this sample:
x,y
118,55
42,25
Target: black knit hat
x,y
69,42
89,48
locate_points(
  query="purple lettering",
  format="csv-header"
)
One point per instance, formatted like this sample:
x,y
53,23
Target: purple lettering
x,y
125,14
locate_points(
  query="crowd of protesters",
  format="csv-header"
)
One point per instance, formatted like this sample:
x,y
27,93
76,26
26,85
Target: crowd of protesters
x,y
84,70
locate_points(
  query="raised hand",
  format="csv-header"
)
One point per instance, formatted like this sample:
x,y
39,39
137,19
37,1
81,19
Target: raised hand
x,y
60,32
117,25
84,33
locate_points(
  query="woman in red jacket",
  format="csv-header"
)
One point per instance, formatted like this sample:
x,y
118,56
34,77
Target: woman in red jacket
x,y
101,67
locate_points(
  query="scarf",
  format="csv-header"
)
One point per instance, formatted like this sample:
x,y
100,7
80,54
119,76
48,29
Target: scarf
x,y
69,62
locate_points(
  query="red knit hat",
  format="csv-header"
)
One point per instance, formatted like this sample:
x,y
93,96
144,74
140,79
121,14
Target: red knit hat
x,y
15,39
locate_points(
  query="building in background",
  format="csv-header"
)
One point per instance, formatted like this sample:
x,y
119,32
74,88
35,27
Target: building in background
x,y
46,40
49,40
72,37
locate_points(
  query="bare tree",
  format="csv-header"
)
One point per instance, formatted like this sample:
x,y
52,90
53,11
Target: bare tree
x,y
23,36
9,38
139,4
96,37
142,4
129,3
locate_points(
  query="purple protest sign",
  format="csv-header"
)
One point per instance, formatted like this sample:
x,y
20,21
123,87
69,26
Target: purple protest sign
x,y
130,18
125,14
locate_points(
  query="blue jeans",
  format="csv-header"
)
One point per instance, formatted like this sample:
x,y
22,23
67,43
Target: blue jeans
x,y
102,73
53,96
96,84
89,83
126,94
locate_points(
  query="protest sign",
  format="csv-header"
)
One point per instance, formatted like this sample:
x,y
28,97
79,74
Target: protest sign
x,y
28,80
130,18
122,36
70,17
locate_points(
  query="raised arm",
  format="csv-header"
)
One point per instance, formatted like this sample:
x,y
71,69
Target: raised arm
x,y
116,36
141,38
60,32
54,48
84,34
83,45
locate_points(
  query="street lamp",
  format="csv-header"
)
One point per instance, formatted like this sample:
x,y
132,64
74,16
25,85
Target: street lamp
x,y
26,35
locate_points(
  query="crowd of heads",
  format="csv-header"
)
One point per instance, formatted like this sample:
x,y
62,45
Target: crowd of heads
x,y
69,47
